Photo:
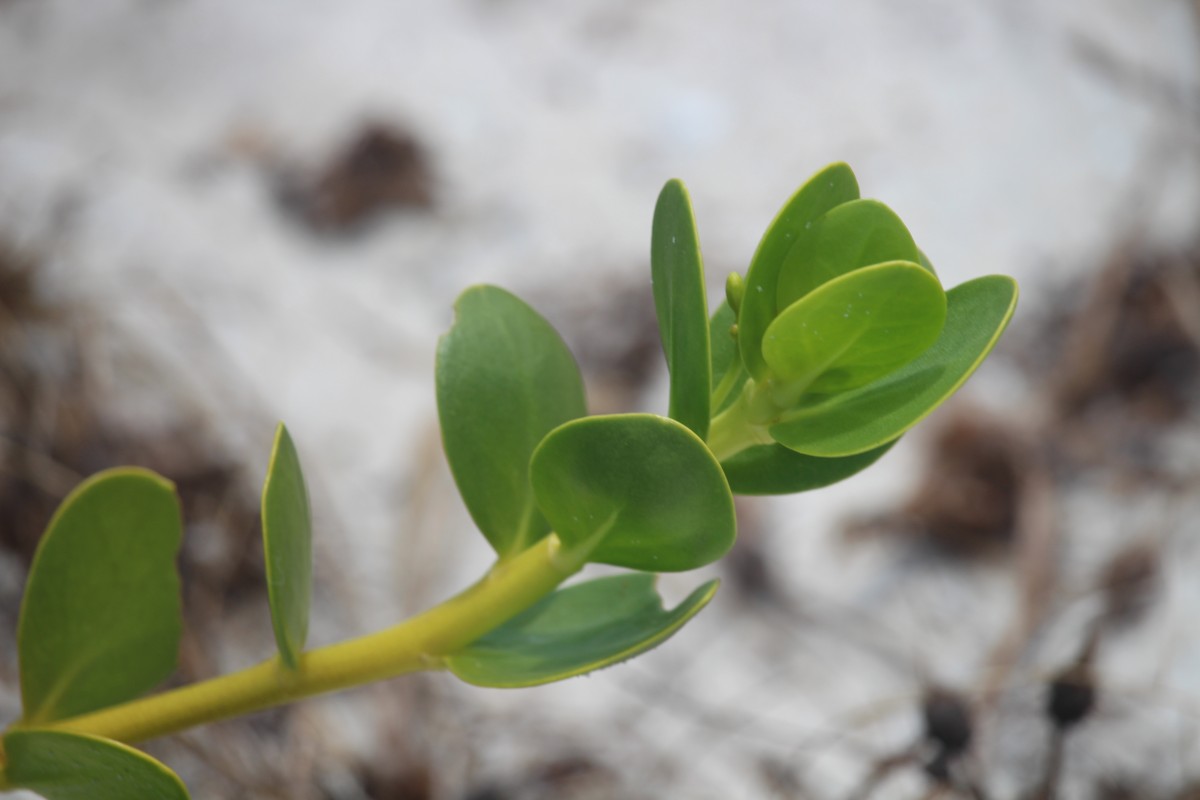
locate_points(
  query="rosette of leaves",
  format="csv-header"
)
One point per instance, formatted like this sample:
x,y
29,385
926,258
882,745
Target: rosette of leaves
x,y
839,340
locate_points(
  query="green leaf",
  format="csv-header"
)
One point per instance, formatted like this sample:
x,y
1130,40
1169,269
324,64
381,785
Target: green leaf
x,y
504,380
826,190
634,490
287,547
71,766
853,235
773,469
101,617
864,418
576,630
725,357
677,274
856,328
724,344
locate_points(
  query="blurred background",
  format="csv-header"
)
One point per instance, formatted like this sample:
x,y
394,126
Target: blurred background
x,y
215,215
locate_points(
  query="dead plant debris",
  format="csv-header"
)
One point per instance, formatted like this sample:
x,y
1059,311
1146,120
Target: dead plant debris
x,y
382,168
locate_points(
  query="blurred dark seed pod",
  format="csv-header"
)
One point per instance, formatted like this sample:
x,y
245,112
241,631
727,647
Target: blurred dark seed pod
x,y
1071,697
947,721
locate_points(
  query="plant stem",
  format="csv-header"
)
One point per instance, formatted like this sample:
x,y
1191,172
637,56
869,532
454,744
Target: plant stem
x,y
417,644
739,426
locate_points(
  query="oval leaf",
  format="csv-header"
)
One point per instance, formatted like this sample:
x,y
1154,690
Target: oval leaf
x,y
677,273
774,469
287,547
576,630
856,328
863,419
634,490
101,617
71,766
826,190
504,380
853,235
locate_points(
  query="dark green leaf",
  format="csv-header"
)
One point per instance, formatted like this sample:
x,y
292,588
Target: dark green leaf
x,y
826,190
504,380
864,418
853,235
70,766
287,547
101,617
855,328
773,469
634,490
677,274
576,630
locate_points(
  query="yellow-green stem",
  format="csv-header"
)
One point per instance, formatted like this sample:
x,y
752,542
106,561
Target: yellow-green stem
x,y
420,643
741,425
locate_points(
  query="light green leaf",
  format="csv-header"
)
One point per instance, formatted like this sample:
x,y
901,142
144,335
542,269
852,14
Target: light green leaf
x,y
634,490
853,235
677,274
774,469
287,547
864,418
101,617
576,630
71,766
504,380
826,190
855,328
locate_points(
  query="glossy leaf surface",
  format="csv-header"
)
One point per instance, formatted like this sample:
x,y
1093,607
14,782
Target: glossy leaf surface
x,y
864,418
827,189
101,617
774,469
69,766
640,491
853,235
576,630
287,547
504,380
856,328
677,274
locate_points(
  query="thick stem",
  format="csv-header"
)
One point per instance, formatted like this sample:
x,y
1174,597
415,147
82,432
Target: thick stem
x,y
420,643
741,425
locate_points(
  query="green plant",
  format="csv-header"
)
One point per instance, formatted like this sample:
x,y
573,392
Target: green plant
x,y
839,340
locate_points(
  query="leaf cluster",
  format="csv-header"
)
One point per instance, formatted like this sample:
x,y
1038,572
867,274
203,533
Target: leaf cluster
x,y
837,341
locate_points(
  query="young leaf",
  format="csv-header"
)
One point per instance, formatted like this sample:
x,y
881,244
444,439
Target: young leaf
x,y
576,630
725,357
504,380
71,766
773,469
853,235
864,418
827,189
677,274
287,547
101,617
634,490
856,328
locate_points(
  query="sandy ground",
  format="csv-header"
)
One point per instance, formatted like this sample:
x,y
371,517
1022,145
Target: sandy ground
x,y
140,144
